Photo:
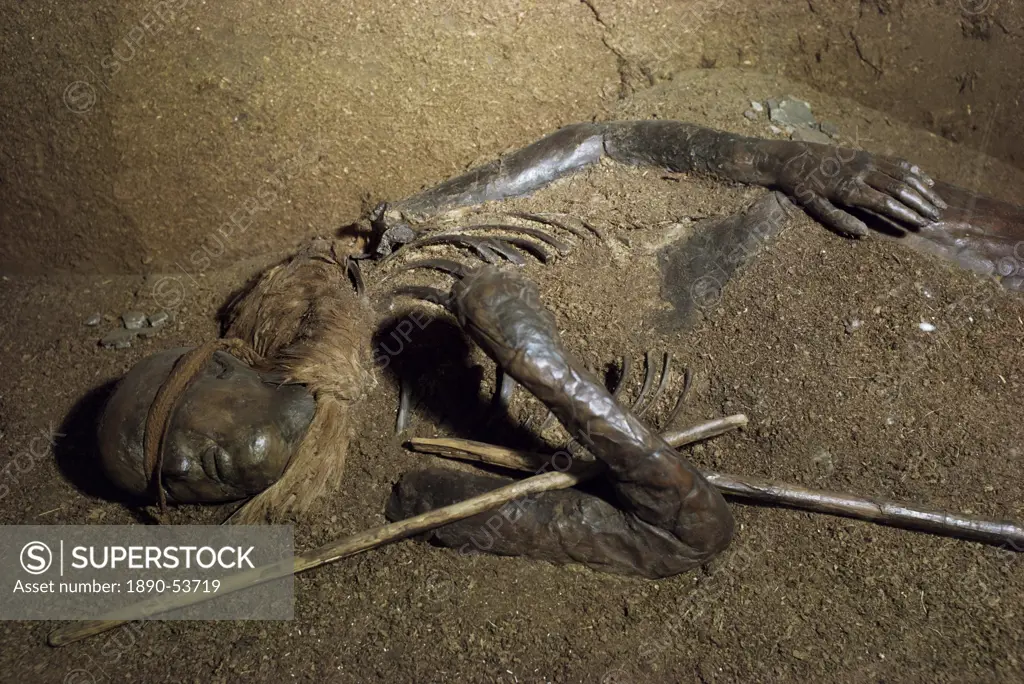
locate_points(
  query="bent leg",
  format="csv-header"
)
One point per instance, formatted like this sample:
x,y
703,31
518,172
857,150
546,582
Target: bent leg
x,y
567,526
670,519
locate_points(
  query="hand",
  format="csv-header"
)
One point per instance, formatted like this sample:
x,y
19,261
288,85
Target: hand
x,y
829,182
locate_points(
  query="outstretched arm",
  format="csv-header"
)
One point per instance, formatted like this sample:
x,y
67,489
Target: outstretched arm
x,y
827,181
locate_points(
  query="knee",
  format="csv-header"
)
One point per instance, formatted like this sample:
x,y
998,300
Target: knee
x,y
502,311
708,530
703,542
488,289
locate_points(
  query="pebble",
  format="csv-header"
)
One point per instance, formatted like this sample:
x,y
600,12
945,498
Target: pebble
x,y
118,339
750,114
159,318
133,320
756,106
926,327
853,325
789,111
823,461
810,135
775,129
94,320
829,129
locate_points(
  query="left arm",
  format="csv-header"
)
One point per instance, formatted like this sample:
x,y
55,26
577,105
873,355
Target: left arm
x,y
827,181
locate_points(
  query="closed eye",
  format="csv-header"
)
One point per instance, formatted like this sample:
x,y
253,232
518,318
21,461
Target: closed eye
x,y
210,462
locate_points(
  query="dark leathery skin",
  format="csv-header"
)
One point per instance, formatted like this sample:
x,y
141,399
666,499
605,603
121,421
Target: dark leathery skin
x,y
827,181
659,491
567,526
534,166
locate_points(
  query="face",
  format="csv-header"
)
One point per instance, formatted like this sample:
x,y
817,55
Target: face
x,y
231,435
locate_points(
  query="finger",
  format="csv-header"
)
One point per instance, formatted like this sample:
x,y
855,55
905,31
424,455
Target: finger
x,y
912,169
836,220
885,224
904,193
913,176
863,195
928,193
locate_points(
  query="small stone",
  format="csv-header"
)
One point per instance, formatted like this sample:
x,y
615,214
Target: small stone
x,y
159,318
801,655
926,327
750,114
147,331
133,320
810,135
877,310
789,111
775,130
118,339
829,129
94,320
756,106
823,461
853,325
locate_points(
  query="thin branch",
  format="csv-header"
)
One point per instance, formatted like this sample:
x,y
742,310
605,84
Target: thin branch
x,y
330,553
882,511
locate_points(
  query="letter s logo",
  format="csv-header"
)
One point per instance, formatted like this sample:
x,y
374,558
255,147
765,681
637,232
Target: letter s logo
x,y
36,558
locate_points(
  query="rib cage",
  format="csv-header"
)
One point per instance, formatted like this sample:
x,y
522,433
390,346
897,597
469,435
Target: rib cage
x,y
453,244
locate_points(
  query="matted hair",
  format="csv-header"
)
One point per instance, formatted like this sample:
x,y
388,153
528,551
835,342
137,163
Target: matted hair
x,y
306,321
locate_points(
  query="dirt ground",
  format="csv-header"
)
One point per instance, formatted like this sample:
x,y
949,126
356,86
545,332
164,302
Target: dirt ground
x,y
884,409
129,141
142,127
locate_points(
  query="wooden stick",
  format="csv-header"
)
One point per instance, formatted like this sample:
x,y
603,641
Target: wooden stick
x,y
712,428
515,459
881,511
329,553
